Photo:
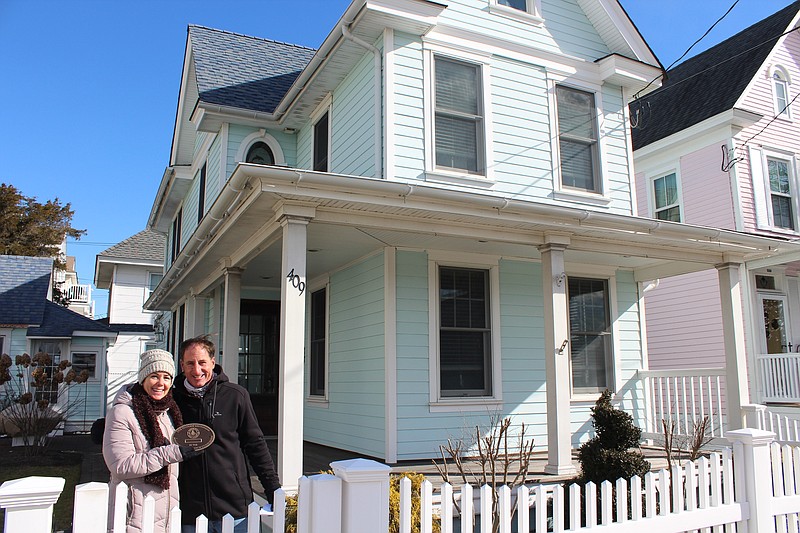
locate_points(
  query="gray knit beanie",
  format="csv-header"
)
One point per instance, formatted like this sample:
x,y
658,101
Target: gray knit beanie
x,y
156,361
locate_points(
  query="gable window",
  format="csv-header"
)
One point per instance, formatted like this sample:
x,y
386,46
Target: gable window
x,y
780,89
176,236
260,154
321,143
319,321
781,200
529,10
665,198
459,117
465,335
590,334
201,194
577,139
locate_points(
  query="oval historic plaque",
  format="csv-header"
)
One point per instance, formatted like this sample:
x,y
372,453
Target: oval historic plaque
x,y
198,436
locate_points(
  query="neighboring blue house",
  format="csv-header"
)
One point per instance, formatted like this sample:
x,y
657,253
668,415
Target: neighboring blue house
x,y
424,223
31,323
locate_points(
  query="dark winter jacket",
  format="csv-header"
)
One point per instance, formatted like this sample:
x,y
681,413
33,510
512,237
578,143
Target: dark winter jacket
x,y
218,482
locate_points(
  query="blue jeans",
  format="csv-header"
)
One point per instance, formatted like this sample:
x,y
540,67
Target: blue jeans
x,y
239,526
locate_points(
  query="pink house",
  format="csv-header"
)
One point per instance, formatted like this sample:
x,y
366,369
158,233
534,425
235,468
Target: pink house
x,y
718,145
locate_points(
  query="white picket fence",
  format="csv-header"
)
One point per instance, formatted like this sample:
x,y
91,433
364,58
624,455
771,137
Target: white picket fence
x,y
752,487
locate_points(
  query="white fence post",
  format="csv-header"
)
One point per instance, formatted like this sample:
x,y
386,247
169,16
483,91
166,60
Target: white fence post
x,y
365,495
752,457
28,503
326,503
90,514
754,415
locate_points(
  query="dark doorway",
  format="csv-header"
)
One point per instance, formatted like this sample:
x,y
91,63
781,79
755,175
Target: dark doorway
x,y
259,345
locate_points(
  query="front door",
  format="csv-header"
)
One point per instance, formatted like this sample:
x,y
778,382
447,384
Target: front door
x,y
259,345
776,325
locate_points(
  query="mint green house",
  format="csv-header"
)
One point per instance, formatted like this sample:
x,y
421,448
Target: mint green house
x,y
426,223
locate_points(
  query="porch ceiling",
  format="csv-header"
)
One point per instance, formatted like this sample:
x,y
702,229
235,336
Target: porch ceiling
x,y
352,217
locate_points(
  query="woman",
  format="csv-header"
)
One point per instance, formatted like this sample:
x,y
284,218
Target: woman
x,y
136,442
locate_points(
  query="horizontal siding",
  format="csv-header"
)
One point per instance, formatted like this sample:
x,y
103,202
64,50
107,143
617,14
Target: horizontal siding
x,y
355,416
353,122
213,173
408,122
707,195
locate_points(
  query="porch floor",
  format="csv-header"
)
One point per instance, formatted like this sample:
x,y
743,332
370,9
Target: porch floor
x,y
317,458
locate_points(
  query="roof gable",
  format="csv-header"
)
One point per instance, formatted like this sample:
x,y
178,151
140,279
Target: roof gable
x,y
147,245
244,72
708,83
24,287
62,322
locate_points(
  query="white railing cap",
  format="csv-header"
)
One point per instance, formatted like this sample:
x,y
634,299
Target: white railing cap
x,y
31,491
360,470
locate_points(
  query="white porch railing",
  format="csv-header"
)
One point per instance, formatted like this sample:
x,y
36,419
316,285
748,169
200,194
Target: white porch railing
x,y
778,377
749,488
79,293
684,397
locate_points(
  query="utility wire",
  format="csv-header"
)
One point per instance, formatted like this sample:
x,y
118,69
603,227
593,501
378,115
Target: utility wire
x,y
689,49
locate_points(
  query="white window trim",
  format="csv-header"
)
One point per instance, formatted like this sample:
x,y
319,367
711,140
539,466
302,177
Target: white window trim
x,y
600,197
651,191
786,81
315,400
456,260
789,157
260,136
615,377
444,175
532,15
147,291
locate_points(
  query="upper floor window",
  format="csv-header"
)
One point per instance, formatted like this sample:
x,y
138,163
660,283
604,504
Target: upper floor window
x,y
319,321
525,9
781,194
666,205
465,333
177,228
260,154
459,124
153,279
577,139
322,143
590,335
780,89
201,194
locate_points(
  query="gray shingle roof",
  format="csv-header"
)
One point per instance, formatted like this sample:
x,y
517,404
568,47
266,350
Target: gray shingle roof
x,y
24,283
244,72
708,83
147,244
62,322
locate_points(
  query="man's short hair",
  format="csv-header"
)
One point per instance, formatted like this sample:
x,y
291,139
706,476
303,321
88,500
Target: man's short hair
x,y
203,341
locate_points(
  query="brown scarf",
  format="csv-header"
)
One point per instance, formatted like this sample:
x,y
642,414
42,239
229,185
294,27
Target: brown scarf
x,y
146,410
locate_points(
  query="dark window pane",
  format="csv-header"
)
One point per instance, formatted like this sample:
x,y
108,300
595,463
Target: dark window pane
x,y
589,334
260,154
318,325
321,144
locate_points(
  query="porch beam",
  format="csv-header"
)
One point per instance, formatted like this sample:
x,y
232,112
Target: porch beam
x,y
230,323
556,354
292,349
736,391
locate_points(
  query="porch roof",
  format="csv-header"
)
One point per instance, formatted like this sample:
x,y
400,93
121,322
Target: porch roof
x,y
351,217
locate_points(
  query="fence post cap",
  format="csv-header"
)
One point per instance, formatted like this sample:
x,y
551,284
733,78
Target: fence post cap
x,y
31,491
360,470
750,436
754,407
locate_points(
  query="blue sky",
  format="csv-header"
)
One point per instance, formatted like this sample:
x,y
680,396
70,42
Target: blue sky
x,y
89,90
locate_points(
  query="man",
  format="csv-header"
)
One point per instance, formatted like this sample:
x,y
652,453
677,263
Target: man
x,y
218,481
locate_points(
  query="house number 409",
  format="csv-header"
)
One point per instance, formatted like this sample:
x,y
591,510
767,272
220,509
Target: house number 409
x,y
297,283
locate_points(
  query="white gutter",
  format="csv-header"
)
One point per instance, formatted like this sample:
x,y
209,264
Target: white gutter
x,y
378,65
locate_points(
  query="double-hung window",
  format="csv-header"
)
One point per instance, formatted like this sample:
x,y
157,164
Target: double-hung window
x,y
177,228
578,139
780,88
666,204
459,116
590,335
781,194
318,344
153,279
465,334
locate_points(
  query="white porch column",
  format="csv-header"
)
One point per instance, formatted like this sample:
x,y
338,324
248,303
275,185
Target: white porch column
x,y
195,316
230,323
736,389
556,354
292,334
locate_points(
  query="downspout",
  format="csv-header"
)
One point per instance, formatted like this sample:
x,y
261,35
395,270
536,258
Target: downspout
x,y
378,66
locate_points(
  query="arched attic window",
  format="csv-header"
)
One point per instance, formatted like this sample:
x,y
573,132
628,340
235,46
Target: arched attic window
x,y
780,92
260,154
